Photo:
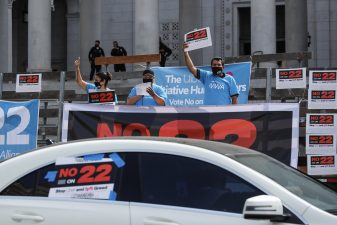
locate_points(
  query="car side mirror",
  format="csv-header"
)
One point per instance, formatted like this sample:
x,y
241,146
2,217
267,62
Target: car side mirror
x,y
264,207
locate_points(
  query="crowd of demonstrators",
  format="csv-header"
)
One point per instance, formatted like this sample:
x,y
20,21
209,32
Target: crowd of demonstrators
x,y
164,52
157,96
220,88
95,51
118,51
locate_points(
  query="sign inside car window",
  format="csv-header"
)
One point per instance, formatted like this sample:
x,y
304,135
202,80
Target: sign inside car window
x,y
88,177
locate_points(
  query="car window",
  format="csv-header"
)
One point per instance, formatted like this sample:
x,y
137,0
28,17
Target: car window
x,y
181,181
294,181
37,183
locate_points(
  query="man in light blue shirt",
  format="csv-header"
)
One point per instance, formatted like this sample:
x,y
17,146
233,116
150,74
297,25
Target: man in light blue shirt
x,y
156,97
220,88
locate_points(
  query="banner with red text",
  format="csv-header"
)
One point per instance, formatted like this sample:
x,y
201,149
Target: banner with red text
x,y
269,128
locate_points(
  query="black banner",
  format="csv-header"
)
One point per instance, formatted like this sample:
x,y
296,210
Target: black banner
x,y
270,132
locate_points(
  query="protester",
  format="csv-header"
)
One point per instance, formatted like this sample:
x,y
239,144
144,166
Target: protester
x,y
118,51
156,97
220,88
95,51
100,83
164,52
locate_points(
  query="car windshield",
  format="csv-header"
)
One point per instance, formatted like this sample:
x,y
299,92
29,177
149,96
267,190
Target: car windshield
x,y
299,184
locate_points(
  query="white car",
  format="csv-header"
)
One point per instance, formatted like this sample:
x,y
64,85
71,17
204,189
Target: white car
x,y
158,181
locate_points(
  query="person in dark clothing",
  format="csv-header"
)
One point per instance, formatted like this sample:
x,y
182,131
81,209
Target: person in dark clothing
x,y
118,51
164,52
95,51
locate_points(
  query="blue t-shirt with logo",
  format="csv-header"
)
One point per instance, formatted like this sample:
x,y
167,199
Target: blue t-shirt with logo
x,y
218,90
147,100
91,88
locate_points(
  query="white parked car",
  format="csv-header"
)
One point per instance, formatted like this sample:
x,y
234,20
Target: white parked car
x,y
158,181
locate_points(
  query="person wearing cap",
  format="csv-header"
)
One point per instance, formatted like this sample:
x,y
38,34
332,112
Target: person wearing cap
x,y
220,88
156,97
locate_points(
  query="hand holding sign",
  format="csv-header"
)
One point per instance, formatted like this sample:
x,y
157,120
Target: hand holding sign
x,y
197,39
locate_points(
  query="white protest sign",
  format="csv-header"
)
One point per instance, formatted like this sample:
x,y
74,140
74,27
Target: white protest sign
x,y
321,123
322,78
322,144
322,97
28,82
141,88
321,164
197,39
291,78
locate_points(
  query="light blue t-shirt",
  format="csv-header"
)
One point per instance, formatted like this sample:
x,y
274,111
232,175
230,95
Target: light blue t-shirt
x,y
147,100
92,87
218,91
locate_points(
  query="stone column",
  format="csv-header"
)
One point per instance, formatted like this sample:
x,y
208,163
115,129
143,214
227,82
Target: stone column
x,y
39,35
190,18
73,33
90,30
263,28
146,27
6,35
296,27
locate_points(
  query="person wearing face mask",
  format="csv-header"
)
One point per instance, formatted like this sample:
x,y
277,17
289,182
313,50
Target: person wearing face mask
x,y
100,83
220,88
95,51
156,97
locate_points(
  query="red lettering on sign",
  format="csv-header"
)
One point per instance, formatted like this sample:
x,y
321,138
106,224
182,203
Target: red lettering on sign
x,y
87,177
104,171
103,130
245,130
188,128
128,131
68,172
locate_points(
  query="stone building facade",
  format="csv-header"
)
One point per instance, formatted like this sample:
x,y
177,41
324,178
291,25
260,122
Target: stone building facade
x,y
47,35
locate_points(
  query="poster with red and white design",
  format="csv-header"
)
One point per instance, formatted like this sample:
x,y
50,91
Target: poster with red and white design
x,y
320,144
322,97
291,78
321,164
321,123
322,77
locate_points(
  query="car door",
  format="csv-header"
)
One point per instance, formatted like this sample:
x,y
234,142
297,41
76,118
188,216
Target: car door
x,y
180,190
28,200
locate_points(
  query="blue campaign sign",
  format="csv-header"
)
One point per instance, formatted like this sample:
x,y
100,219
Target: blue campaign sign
x,y
184,90
18,127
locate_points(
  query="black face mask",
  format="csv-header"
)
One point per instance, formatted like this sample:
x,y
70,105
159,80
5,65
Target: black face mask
x,y
145,80
217,71
96,45
97,84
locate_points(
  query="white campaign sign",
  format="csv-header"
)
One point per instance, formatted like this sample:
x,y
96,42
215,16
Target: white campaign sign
x,y
321,165
291,78
320,97
320,123
197,39
28,82
322,77
320,144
